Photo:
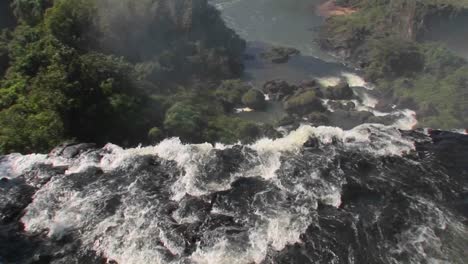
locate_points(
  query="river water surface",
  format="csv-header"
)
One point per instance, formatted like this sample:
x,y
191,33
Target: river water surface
x,y
267,23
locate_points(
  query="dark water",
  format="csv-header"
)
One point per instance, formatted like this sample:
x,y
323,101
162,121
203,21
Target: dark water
x,y
277,22
320,195
297,69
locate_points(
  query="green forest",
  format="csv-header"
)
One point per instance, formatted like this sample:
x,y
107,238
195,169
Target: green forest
x,y
101,71
384,39
131,72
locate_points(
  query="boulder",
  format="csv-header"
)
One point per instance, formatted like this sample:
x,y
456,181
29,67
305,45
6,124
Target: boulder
x,y
71,150
342,91
303,103
318,119
15,195
286,121
348,106
279,54
312,143
278,89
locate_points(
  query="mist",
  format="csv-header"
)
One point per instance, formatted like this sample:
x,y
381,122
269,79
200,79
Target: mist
x,y
141,29
452,32
6,17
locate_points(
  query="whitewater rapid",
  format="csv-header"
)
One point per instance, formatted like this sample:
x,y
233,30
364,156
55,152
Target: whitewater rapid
x,y
204,203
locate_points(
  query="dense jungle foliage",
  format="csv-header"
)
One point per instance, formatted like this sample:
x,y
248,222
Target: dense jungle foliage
x,y
126,72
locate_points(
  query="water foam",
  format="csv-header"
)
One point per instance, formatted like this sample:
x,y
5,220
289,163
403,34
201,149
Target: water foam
x,y
329,81
355,80
13,165
137,233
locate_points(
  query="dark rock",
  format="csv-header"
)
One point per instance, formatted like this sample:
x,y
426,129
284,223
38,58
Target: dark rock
x,y
278,89
222,164
312,142
15,195
42,173
349,119
341,91
279,54
349,106
309,83
318,119
287,121
270,132
192,207
71,150
361,116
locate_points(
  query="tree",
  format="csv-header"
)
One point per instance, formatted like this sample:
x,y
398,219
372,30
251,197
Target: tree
x,y
30,11
254,99
184,121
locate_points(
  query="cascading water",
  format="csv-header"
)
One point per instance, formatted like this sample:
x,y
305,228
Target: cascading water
x,y
373,194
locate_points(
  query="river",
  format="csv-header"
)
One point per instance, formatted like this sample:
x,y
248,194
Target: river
x,y
295,24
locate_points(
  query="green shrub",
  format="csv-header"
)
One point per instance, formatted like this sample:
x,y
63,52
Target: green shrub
x,y
304,103
230,92
254,99
184,121
155,134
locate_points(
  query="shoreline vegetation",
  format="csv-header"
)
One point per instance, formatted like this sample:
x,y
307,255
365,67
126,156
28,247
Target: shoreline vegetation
x,y
384,40
127,73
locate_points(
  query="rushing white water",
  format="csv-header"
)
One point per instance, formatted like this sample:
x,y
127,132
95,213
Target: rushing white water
x,y
61,209
15,164
137,205
118,201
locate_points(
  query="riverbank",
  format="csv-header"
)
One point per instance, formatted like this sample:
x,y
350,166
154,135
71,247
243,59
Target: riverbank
x,y
383,40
